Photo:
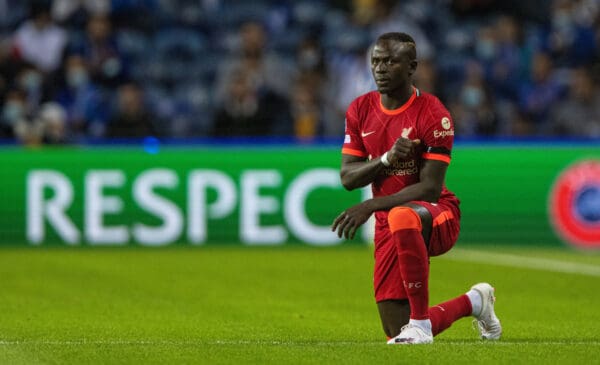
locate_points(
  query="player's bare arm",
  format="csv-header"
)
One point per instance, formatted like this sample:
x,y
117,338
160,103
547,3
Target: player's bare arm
x,y
357,172
428,189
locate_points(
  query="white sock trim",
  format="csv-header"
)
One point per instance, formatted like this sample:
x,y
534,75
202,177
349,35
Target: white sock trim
x,y
424,324
476,302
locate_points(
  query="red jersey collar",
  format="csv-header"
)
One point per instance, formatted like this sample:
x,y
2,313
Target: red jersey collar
x,y
403,107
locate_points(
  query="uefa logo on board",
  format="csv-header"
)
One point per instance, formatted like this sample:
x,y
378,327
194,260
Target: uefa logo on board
x,y
574,204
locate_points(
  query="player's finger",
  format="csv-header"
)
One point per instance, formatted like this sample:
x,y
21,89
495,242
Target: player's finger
x,y
347,230
353,231
401,141
413,145
337,221
340,228
343,229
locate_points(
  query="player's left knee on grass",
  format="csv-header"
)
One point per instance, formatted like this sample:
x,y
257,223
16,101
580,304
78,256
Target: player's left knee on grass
x,y
401,218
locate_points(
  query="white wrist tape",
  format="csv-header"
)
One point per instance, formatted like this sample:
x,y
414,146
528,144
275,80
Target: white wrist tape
x,y
384,160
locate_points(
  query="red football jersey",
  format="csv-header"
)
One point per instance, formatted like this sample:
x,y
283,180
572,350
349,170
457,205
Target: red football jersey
x,y
371,130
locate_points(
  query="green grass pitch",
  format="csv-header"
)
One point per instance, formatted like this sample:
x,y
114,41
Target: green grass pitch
x,y
300,305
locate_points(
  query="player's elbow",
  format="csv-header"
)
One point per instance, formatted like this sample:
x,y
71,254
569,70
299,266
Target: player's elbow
x,y
349,184
432,194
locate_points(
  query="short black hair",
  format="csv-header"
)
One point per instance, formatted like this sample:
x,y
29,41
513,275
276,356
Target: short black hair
x,y
402,38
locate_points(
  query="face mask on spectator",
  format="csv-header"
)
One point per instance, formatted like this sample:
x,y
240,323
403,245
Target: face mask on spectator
x,y
485,49
111,67
32,80
562,20
77,78
308,59
12,112
472,96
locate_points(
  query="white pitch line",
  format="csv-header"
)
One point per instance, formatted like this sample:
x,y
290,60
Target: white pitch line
x,y
535,263
283,343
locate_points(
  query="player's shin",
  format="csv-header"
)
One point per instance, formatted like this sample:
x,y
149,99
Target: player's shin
x,y
405,225
444,314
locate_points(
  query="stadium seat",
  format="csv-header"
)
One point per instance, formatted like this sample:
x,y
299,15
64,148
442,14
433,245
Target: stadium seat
x,y
132,43
179,43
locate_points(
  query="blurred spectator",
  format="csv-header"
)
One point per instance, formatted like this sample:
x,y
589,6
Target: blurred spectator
x,y
307,100
267,71
570,41
83,102
426,77
131,119
521,125
40,41
246,112
11,11
52,118
350,77
27,129
306,111
578,115
511,56
473,113
541,91
486,44
586,12
63,10
302,63
364,12
391,16
310,60
32,82
14,109
9,67
100,51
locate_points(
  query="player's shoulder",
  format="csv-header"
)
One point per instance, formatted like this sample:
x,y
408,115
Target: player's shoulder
x,y
364,101
362,106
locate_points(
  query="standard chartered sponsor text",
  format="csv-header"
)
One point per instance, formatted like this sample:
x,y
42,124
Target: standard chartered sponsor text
x,y
401,168
210,195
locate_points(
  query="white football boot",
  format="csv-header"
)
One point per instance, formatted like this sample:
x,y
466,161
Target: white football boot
x,y
411,335
486,322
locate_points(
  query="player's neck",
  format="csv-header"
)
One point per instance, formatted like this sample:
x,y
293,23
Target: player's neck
x,y
397,98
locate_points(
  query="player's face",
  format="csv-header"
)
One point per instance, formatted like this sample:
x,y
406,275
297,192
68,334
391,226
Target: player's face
x,y
391,65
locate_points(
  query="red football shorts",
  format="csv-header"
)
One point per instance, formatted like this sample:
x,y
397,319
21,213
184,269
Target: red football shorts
x,y
387,279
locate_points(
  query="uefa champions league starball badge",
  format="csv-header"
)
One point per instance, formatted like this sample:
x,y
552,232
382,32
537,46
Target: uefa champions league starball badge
x,y
574,204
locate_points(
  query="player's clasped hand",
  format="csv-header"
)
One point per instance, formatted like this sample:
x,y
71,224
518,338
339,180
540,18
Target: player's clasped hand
x,y
349,220
402,149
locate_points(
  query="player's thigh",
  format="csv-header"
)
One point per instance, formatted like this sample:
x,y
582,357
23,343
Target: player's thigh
x,y
426,219
387,278
445,227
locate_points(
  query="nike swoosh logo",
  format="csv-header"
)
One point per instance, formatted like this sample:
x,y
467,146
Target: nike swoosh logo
x,y
367,133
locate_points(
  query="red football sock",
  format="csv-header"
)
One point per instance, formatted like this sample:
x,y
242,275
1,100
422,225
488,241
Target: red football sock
x,y
444,314
414,266
405,225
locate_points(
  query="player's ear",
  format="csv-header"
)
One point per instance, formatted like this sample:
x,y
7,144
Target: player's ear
x,y
412,67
